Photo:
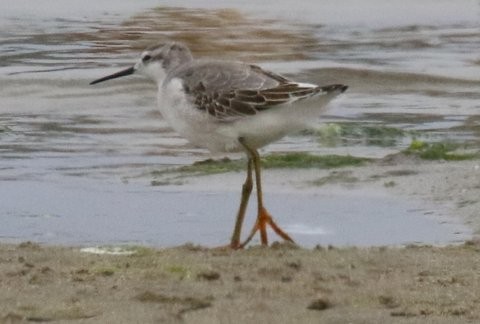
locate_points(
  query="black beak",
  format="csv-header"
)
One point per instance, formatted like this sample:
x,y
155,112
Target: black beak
x,y
125,72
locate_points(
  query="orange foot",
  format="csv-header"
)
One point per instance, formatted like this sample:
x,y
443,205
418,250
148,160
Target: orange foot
x,y
264,219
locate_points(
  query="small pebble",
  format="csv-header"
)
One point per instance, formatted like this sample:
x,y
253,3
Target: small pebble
x,y
319,304
210,275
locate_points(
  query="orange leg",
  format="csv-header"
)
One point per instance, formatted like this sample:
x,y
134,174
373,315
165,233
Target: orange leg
x,y
263,218
246,191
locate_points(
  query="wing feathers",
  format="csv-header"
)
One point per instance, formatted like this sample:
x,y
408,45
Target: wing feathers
x,y
229,91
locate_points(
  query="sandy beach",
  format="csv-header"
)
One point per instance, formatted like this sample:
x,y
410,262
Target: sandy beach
x,y
281,284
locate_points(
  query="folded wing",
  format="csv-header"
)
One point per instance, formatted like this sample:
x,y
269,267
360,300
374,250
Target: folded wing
x,y
229,91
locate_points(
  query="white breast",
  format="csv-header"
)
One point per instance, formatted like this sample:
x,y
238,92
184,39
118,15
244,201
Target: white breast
x,y
195,125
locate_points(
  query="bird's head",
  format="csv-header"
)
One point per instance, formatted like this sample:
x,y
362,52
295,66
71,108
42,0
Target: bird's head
x,y
155,62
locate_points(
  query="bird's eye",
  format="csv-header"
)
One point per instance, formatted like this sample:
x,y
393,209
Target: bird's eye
x,y
147,58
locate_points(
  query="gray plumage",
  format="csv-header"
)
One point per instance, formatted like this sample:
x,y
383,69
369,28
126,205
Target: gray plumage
x,y
226,89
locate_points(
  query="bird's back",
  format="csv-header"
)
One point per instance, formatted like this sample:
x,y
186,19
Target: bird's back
x,y
231,90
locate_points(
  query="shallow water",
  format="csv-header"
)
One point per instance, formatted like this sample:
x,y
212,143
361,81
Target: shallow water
x,y
415,67
83,212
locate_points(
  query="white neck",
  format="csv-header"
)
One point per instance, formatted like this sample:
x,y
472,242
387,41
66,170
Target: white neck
x,y
154,71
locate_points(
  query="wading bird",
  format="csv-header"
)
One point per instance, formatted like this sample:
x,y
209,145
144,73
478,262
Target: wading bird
x,y
229,106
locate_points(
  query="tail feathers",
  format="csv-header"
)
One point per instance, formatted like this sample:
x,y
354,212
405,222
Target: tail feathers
x,y
334,88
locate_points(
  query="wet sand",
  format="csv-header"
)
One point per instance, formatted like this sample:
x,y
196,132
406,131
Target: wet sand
x,y
280,284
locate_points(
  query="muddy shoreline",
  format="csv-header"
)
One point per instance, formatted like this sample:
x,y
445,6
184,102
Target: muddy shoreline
x,y
191,284
280,284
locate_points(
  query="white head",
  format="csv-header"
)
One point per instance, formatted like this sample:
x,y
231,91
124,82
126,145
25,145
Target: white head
x,y
155,62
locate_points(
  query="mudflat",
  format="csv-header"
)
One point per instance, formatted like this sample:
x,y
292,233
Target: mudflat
x,y
280,284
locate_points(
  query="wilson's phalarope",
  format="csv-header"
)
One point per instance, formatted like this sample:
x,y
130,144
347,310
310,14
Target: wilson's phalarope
x,y
230,106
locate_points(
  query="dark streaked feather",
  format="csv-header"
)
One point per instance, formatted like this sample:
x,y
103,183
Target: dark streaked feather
x,y
228,91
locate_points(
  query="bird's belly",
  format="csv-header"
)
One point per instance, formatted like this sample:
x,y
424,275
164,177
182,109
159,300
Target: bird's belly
x,y
261,129
203,130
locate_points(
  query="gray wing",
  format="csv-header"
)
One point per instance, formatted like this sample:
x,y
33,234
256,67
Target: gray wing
x,y
229,90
